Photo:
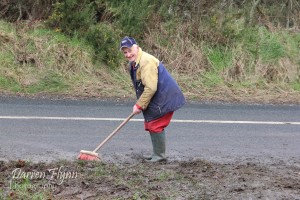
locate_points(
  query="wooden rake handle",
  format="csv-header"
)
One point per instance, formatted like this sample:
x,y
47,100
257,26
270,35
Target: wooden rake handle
x,y
114,132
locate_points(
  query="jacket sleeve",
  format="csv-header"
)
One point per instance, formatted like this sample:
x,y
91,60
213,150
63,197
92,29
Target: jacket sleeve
x,y
149,78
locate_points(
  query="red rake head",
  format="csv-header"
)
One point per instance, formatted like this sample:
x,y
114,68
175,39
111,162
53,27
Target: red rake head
x,y
88,155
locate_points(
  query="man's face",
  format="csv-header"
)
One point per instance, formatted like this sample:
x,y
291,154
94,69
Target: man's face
x,y
130,53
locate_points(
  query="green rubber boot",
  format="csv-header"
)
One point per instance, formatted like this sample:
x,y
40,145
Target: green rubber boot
x,y
159,147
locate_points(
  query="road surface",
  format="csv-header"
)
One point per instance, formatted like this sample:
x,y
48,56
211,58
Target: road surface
x,y
47,130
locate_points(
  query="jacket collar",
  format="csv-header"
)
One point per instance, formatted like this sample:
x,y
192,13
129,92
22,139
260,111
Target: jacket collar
x,y
139,56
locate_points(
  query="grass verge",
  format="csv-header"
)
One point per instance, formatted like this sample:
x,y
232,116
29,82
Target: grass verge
x,y
258,66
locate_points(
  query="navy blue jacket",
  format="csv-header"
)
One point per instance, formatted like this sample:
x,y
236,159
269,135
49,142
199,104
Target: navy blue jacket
x,y
167,98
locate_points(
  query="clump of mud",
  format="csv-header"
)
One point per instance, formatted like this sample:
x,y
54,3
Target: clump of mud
x,y
195,179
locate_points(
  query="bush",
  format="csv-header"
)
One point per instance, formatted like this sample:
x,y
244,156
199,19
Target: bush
x,y
132,16
79,19
72,17
105,40
15,10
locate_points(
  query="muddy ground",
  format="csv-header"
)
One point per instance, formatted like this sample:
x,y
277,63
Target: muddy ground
x,y
192,179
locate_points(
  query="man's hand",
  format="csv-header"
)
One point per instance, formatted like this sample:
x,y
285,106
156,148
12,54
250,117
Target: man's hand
x,y
136,110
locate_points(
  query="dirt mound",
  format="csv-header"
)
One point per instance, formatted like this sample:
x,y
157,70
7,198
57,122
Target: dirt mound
x,y
195,179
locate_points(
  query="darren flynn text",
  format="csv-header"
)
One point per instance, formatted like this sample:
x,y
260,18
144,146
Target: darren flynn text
x,y
56,174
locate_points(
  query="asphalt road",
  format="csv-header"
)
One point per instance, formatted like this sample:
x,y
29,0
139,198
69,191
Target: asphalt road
x,y
46,130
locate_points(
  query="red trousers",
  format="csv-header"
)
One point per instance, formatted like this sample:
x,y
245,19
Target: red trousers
x,y
158,125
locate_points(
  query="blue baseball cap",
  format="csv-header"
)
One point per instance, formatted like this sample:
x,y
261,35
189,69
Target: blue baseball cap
x,y
127,42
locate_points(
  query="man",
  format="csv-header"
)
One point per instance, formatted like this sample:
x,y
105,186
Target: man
x,y
157,92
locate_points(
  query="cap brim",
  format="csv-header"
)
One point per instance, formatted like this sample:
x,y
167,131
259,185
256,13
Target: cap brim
x,y
125,46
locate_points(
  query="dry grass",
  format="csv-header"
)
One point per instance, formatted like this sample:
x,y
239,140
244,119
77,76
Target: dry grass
x,y
33,60
36,57
180,53
246,79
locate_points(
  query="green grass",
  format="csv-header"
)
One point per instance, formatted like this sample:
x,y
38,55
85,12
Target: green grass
x,y
100,171
262,44
25,189
65,65
291,44
219,58
211,79
296,86
51,82
6,27
270,47
8,83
